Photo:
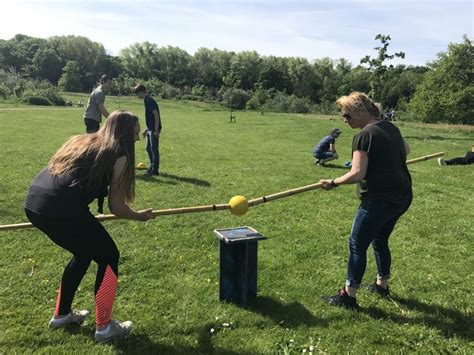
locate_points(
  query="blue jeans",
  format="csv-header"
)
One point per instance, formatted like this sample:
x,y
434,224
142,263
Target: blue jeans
x,y
152,145
323,155
373,223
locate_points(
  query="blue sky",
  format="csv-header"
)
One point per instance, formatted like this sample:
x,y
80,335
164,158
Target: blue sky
x,y
311,29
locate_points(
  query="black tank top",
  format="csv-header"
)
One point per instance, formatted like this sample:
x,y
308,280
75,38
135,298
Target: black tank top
x,y
54,196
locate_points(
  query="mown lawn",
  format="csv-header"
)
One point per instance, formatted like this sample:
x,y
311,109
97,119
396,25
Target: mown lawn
x,y
169,267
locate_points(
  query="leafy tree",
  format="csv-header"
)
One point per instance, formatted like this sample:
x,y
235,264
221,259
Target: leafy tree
x,y
46,65
303,78
447,90
140,60
174,66
210,66
377,66
274,74
81,50
106,64
246,67
70,79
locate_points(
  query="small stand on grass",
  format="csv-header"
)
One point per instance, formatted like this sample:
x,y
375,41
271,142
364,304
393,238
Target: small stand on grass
x,y
238,264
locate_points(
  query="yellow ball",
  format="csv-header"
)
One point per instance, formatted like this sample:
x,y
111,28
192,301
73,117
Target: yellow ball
x,y
238,205
141,166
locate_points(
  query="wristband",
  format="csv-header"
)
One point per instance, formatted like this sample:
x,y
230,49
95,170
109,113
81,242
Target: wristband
x,y
333,184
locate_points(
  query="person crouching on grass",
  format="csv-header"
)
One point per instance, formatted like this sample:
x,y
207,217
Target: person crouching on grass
x,y
153,128
379,165
57,204
325,150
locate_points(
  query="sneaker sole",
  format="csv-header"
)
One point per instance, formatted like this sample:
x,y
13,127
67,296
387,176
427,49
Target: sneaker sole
x,y
115,337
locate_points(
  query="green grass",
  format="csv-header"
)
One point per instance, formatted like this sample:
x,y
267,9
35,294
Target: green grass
x,y
169,266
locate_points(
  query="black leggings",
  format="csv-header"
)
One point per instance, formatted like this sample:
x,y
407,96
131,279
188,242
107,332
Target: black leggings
x,y
86,238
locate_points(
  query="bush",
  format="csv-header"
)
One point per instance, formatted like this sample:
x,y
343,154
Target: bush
x,y
281,102
170,92
201,91
192,98
4,91
37,100
239,98
446,93
43,89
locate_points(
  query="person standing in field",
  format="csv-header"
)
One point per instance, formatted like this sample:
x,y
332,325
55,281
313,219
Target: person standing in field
x,y
325,150
153,128
378,164
95,108
57,204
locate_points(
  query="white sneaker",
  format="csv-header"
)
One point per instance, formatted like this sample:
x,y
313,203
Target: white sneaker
x,y
441,161
114,330
75,317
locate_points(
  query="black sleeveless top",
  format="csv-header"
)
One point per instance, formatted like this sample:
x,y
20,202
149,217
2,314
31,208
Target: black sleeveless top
x,y
53,196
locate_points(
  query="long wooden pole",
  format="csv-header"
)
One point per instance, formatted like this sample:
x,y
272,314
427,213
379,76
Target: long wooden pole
x,y
425,157
219,207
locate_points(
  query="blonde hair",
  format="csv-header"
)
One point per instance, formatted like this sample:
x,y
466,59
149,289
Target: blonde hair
x,y
358,101
90,158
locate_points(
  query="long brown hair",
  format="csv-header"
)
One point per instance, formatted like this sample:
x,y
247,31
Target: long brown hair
x,y
90,158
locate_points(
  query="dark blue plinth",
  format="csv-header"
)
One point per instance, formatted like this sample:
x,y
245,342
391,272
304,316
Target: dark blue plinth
x,y
238,264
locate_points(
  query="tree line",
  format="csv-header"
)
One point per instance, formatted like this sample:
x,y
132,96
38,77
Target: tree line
x,y
439,91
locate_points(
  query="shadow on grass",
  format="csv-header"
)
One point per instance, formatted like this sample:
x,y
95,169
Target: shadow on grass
x,y
136,343
334,166
188,180
140,343
450,322
155,179
286,315
438,138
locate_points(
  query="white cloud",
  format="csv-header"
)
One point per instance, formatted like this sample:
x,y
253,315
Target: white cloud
x,y
312,29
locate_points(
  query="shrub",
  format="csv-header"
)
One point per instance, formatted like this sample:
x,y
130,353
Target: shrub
x,y
446,93
192,98
37,100
4,91
239,98
201,91
281,102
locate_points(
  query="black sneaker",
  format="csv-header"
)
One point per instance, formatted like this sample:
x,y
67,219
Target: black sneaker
x,y
379,290
316,162
342,299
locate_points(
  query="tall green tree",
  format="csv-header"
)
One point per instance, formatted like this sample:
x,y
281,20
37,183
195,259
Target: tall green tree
x,y
447,90
246,66
377,65
140,60
70,79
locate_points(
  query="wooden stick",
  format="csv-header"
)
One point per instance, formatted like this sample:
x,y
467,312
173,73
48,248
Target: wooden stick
x,y
276,196
425,157
110,217
219,207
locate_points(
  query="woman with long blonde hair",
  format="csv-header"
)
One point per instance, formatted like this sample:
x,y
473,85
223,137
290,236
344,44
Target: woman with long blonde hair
x,y
83,169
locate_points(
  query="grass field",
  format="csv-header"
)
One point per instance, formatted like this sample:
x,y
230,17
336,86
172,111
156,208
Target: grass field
x,y
169,266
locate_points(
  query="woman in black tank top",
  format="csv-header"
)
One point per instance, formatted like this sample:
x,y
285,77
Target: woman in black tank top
x,y
379,167
83,169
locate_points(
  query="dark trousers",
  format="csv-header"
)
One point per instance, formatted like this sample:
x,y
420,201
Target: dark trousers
x,y
373,224
152,148
86,239
92,126
467,159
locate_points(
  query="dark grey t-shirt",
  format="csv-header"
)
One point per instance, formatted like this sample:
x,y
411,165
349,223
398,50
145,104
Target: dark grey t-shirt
x,y
387,174
92,110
